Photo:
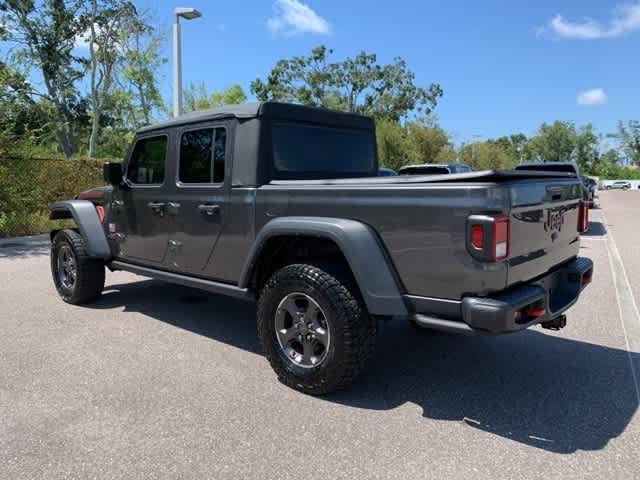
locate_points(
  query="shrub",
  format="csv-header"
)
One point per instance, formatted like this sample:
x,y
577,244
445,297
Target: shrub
x,y
28,187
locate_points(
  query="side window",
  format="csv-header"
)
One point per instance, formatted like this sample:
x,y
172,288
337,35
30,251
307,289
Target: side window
x,y
147,163
202,155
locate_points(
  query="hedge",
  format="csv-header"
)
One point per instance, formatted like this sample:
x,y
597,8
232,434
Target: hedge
x,y
28,187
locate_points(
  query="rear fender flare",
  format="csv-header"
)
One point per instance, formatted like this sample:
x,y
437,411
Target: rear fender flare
x,y
360,246
86,218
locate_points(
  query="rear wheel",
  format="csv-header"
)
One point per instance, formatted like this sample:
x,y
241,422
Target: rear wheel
x,y
78,277
314,330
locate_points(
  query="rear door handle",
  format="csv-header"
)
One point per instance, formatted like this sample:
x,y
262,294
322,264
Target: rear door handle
x,y
174,208
208,209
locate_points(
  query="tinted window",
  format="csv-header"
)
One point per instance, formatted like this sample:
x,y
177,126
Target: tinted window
x,y
548,168
202,155
147,161
305,151
424,170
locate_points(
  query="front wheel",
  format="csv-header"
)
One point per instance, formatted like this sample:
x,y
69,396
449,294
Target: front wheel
x,y
314,330
78,277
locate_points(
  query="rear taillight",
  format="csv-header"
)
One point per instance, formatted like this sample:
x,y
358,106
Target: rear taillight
x,y
488,237
100,212
500,245
583,217
477,236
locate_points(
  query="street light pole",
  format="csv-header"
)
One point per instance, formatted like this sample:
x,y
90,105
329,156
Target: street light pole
x,y
187,14
177,69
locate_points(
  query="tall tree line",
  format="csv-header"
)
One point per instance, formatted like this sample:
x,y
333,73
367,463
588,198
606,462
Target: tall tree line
x,y
85,71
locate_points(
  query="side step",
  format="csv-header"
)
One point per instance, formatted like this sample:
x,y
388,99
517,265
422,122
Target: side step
x,y
445,325
194,282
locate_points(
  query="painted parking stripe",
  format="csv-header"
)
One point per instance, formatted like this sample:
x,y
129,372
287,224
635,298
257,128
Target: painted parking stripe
x,y
627,306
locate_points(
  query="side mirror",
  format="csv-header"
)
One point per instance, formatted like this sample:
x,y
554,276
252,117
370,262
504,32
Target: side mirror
x,y
112,173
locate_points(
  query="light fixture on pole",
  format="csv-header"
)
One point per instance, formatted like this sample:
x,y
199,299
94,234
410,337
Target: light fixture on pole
x,y
187,14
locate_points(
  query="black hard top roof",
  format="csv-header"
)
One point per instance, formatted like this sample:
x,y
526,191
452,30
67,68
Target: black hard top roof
x,y
284,111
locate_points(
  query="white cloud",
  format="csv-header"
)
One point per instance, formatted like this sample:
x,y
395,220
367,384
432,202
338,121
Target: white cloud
x,y
625,19
292,17
595,96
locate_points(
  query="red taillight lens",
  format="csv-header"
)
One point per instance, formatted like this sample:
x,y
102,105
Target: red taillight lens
x,y
477,236
488,237
586,278
500,238
100,211
583,217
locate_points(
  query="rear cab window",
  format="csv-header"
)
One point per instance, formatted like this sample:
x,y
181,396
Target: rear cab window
x,y
306,151
202,156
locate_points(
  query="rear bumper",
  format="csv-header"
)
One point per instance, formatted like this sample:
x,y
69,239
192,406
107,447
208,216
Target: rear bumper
x,y
505,312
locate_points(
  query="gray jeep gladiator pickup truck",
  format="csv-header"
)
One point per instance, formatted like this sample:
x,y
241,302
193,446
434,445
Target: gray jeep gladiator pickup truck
x,y
282,204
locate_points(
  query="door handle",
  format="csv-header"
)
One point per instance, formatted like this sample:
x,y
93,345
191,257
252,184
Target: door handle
x,y
157,207
208,209
174,208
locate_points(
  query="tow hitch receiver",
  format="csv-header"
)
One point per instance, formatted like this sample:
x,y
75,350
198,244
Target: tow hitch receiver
x,y
555,323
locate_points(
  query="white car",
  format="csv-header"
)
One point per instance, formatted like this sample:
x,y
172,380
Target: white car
x,y
621,184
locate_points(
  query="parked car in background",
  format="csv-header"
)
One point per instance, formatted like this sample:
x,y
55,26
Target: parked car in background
x,y
434,169
620,185
386,172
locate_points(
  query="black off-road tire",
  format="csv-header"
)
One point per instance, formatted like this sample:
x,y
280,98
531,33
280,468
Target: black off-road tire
x,y
89,278
351,328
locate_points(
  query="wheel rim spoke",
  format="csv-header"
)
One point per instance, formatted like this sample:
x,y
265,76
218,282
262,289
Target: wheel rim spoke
x,y
302,330
288,334
308,353
66,267
322,336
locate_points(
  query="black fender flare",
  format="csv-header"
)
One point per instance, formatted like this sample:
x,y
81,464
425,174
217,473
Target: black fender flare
x,y
360,246
84,214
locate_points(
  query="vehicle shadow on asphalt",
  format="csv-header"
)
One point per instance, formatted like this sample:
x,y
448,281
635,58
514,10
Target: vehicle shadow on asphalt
x,y
596,229
540,389
18,248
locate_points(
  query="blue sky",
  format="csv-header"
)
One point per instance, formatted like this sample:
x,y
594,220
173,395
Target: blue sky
x,y
505,67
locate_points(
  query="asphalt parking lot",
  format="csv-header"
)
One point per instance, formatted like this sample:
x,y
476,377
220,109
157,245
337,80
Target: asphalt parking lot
x,y
161,381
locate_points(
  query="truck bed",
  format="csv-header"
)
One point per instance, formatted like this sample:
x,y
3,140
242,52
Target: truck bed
x,y
421,221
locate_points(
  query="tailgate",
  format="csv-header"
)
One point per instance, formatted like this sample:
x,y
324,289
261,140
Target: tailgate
x,y
544,226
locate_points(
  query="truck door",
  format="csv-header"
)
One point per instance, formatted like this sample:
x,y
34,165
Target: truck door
x,y
198,205
139,205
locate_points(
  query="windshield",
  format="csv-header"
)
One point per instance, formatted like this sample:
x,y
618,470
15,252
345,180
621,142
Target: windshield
x,y
310,151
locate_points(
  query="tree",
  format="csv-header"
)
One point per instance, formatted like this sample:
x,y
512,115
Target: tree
x,y
391,139
358,84
515,145
47,34
22,120
586,148
554,142
629,137
196,97
428,142
487,155
108,20
137,80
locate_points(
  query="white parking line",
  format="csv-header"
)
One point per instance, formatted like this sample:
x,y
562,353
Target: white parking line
x,y
627,307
